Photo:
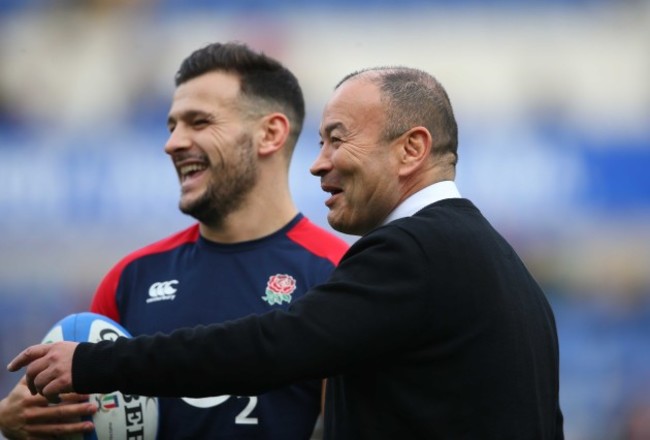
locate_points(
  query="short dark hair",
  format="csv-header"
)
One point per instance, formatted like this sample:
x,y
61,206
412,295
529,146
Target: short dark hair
x,y
263,80
415,98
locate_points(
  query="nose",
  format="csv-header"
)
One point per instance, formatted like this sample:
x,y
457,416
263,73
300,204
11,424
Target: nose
x,y
323,162
178,140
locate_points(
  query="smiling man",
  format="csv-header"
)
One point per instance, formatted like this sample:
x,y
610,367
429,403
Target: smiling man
x,y
233,125
431,327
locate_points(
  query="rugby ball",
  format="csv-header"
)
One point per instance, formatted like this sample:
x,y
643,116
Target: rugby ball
x,y
118,416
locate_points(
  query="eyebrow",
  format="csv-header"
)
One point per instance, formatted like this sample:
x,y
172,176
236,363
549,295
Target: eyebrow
x,y
331,127
187,115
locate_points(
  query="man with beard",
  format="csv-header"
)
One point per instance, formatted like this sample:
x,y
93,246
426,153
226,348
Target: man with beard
x,y
234,121
431,327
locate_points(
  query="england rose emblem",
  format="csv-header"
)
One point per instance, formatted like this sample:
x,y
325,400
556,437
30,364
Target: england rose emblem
x,y
279,288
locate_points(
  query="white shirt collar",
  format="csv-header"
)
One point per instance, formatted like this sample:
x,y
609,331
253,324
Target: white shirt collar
x,y
424,197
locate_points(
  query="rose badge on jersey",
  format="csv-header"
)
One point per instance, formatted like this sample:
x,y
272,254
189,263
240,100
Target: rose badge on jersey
x,y
279,288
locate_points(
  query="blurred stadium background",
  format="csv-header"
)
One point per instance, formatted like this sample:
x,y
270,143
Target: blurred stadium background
x,y
553,103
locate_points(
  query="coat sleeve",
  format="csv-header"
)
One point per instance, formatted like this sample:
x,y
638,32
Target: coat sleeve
x,y
375,303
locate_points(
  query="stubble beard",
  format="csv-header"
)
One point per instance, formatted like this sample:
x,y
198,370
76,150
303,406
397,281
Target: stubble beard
x,y
229,186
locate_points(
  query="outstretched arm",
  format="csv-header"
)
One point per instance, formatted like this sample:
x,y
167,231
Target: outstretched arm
x,y
49,368
333,328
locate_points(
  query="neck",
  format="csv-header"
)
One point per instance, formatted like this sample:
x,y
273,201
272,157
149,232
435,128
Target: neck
x,y
435,172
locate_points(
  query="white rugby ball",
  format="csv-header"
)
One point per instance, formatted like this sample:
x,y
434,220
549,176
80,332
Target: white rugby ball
x,y
118,416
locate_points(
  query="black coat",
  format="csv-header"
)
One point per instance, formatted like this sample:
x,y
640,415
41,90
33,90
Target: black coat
x,y
430,328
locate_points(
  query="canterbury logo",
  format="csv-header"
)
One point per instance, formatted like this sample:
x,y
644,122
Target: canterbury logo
x,y
162,291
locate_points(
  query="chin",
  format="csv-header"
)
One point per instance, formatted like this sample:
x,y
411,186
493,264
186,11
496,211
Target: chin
x,y
342,226
184,206
188,207
189,201
351,227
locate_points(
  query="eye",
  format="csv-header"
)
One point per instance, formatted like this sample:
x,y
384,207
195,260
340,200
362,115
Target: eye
x,y
200,122
332,141
335,141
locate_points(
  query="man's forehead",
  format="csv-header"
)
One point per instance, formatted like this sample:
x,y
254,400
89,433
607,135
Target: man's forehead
x,y
354,100
215,84
355,93
208,91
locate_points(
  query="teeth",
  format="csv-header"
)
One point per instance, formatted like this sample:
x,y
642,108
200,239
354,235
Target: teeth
x,y
187,169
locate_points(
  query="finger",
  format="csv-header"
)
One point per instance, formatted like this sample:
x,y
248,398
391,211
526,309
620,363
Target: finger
x,y
40,381
60,413
31,386
35,401
34,375
27,356
74,397
55,385
59,429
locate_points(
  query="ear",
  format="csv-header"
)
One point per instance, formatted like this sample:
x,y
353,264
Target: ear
x,y
414,150
274,130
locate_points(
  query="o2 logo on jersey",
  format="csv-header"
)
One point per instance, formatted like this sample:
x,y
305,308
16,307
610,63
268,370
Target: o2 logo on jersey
x,y
243,418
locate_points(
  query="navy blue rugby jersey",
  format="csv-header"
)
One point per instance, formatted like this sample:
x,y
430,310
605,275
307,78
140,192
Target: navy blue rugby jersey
x,y
185,280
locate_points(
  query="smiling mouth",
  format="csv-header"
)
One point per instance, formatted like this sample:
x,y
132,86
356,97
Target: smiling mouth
x,y
330,189
334,191
333,196
188,171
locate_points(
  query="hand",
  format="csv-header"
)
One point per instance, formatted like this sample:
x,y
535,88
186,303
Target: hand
x,y
23,416
49,368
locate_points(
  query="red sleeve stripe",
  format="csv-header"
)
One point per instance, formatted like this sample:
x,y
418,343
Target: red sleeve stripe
x,y
103,301
318,241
